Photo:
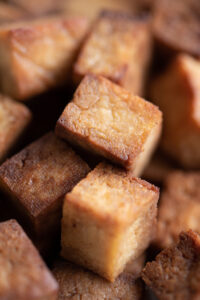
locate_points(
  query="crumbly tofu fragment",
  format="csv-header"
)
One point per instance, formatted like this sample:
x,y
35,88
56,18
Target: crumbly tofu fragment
x,y
37,55
36,180
175,273
76,282
108,120
179,209
177,93
176,26
10,13
113,50
14,119
108,218
23,274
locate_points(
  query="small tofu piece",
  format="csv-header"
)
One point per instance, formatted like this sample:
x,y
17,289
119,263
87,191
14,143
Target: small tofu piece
x,y
77,282
113,50
23,274
176,25
10,13
177,93
36,180
14,118
108,218
179,209
37,55
175,273
108,120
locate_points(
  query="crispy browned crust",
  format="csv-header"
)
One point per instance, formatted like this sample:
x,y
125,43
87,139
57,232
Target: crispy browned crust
x,y
175,274
37,55
37,178
75,281
15,118
23,273
113,50
104,212
176,25
176,94
180,207
97,117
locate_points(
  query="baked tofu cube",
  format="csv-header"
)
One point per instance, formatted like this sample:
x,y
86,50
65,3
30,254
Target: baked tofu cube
x,y
37,55
176,26
108,120
10,13
113,50
176,92
14,118
180,207
77,282
175,274
23,274
36,180
108,218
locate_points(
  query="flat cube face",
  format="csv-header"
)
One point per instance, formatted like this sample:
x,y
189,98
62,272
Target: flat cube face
x,y
180,207
14,118
175,272
37,55
76,281
37,178
176,94
108,218
177,25
109,121
23,273
113,50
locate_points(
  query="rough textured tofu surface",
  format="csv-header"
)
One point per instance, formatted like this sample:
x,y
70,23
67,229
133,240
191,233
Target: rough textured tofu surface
x,y
119,48
176,25
14,118
10,13
175,274
23,274
176,92
108,120
37,55
36,179
179,209
108,218
78,283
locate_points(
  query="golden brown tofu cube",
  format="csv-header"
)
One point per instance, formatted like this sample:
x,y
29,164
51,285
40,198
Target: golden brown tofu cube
x,y
23,274
14,118
37,55
113,50
176,92
10,13
36,179
175,274
77,282
180,207
108,120
108,218
176,26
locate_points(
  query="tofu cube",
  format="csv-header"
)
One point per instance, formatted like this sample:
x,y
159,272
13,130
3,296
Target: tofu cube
x,y
36,180
176,92
108,218
109,121
37,55
77,282
14,119
118,48
179,209
23,274
175,272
